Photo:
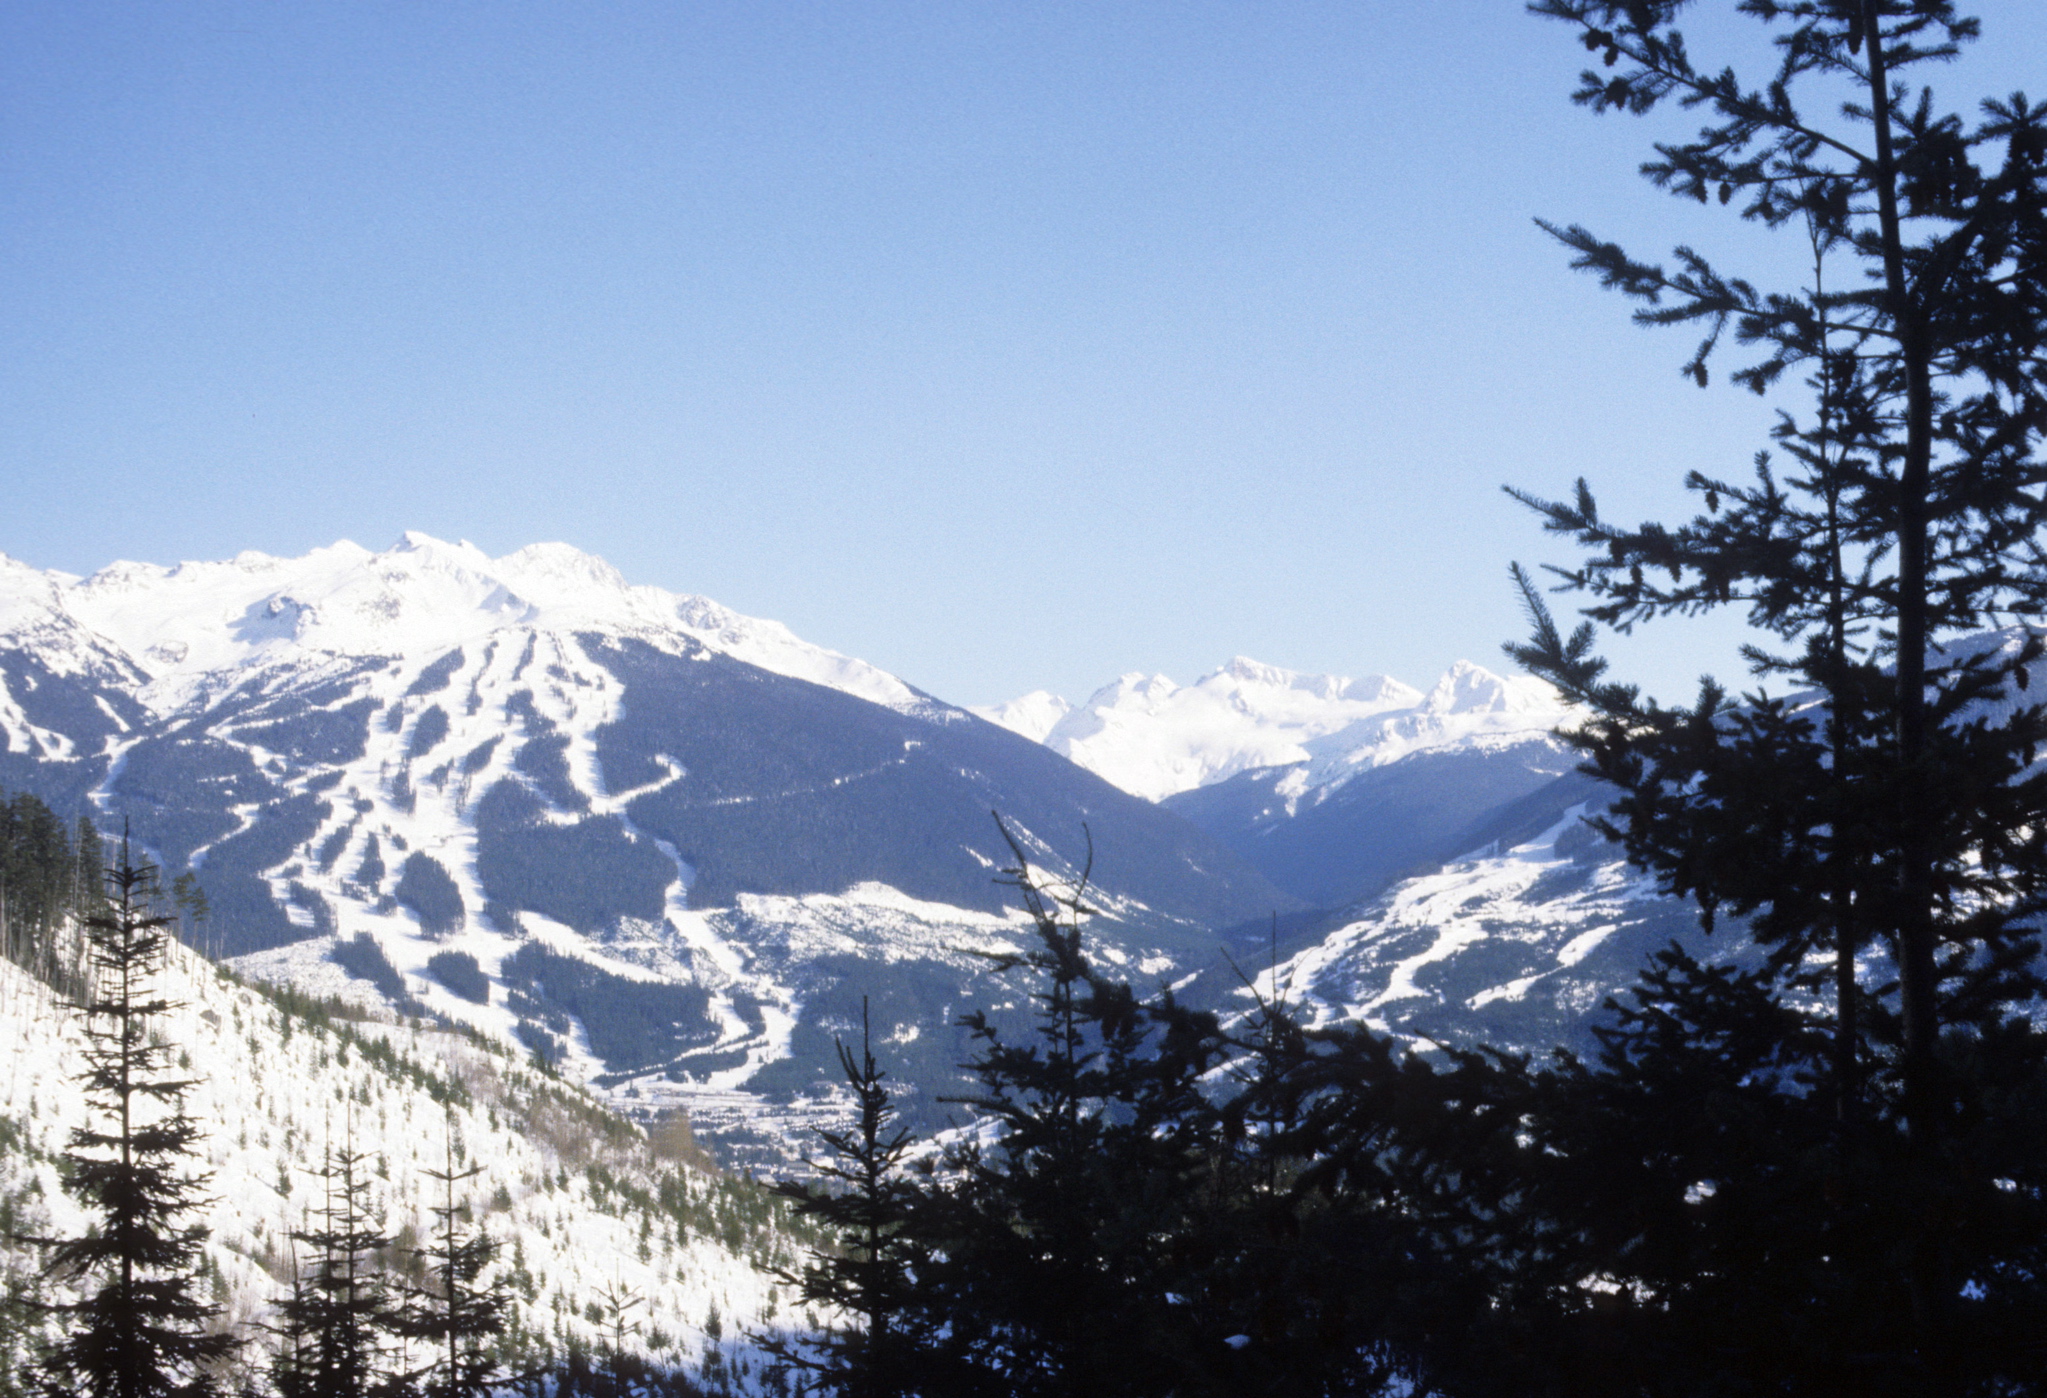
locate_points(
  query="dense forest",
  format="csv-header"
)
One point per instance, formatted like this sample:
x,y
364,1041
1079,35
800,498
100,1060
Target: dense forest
x,y
48,874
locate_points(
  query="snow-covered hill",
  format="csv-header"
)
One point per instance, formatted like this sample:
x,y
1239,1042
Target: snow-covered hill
x,y
579,1198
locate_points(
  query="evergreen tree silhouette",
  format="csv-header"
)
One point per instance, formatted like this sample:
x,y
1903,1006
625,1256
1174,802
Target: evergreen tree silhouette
x,y
624,1369
1877,820
1055,1247
453,1313
141,1329
340,1312
1877,806
865,1200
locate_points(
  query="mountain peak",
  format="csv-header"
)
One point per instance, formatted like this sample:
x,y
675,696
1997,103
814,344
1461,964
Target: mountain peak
x,y
1243,667
1033,715
1135,686
1466,688
553,556
423,595
1370,689
1154,738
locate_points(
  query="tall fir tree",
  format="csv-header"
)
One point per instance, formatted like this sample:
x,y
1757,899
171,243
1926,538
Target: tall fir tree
x,y
1881,826
292,1367
141,1329
1054,1249
332,1324
865,1199
457,1314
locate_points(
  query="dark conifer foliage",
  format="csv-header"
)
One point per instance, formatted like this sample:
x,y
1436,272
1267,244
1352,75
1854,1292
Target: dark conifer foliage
x,y
1879,818
1352,1235
1059,1247
457,1314
47,878
1880,808
292,1364
425,887
863,1198
624,1371
334,1320
141,1329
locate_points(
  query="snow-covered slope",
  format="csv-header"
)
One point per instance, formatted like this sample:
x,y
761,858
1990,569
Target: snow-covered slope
x,y
599,820
579,1198
1153,737
1512,947
193,625
1033,715
1516,942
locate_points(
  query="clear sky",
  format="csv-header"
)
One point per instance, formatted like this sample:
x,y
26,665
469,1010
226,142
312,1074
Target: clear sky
x,y
1004,345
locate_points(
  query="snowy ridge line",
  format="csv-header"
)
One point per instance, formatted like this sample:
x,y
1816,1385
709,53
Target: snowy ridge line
x,y
1155,738
187,627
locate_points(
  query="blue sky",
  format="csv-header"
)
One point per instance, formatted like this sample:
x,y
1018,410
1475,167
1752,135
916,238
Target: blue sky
x,y
1005,346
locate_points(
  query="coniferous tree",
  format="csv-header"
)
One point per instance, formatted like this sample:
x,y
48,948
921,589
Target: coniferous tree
x,y
1882,826
1286,1267
865,1200
455,1314
1055,1247
44,883
66,969
195,910
623,1368
342,1310
292,1367
141,1329
1911,519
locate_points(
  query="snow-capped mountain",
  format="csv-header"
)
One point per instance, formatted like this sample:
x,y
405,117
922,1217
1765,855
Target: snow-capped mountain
x,y
195,625
663,845
1153,737
578,1199
1033,715
1515,943
1156,739
1329,786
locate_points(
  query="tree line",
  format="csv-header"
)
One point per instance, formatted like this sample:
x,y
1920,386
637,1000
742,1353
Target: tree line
x,y
48,874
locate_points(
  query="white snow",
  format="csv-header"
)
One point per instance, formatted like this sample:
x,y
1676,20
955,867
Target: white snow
x,y
1153,737
271,1097
1034,715
1353,974
191,624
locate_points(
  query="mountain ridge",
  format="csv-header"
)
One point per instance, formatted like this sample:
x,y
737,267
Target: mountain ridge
x,y
575,814
1159,739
